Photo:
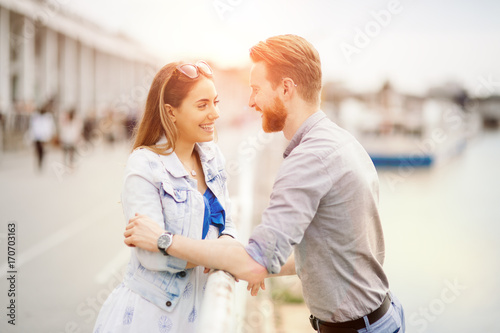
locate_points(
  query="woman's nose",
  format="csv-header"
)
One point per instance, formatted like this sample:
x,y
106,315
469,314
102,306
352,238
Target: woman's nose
x,y
214,114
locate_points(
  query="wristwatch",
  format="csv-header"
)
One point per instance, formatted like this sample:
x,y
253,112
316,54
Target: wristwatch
x,y
164,242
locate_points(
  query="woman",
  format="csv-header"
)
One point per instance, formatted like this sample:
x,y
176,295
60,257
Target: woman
x,y
71,130
176,176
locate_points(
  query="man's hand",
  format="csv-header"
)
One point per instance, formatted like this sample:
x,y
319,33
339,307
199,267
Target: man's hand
x,y
254,288
143,232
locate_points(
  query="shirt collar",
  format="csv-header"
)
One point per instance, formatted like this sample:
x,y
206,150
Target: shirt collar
x,y
206,152
303,130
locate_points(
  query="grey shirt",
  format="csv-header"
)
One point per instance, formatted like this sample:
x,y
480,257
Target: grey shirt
x,y
324,204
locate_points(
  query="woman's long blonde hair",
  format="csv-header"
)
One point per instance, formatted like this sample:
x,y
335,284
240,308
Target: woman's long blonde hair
x,y
169,87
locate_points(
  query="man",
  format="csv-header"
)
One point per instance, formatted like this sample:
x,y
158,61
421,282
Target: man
x,y
324,205
42,131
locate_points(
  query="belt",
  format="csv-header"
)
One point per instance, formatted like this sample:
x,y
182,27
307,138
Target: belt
x,y
352,325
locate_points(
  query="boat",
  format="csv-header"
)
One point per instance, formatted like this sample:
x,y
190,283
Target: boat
x,y
407,131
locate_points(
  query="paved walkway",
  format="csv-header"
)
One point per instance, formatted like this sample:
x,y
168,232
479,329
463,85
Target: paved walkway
x,y
69,250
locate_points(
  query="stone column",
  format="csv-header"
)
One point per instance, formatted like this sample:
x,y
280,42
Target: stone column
x,y
26,91
69,74
49,70
102,80
115,80
87,80
5,89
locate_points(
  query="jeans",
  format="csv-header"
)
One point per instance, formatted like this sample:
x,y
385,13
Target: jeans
x,y
392,322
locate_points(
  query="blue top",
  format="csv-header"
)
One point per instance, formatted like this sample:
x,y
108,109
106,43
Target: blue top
x,y
214,213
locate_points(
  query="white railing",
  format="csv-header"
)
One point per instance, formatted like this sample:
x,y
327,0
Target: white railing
x,y
218,307
224,306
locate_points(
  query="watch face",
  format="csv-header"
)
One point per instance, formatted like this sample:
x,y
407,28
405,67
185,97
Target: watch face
x,y
164,241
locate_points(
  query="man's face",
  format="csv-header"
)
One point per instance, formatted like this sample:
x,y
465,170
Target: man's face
x,y
266,100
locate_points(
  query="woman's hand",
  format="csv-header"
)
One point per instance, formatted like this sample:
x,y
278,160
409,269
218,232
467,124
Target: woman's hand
x,y
143,232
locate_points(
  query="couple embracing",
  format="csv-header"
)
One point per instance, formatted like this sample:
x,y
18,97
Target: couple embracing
x,y
323,207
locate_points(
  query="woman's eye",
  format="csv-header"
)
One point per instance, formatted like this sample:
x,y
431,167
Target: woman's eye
x,y
202,106
216,102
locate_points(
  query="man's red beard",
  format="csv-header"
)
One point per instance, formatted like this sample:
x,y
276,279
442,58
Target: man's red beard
x,y
273,119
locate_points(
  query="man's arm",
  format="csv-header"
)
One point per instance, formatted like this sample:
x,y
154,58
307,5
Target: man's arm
x,y
287,269
225,253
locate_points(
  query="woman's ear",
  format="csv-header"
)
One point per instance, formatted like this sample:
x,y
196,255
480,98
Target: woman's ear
x,y
170,112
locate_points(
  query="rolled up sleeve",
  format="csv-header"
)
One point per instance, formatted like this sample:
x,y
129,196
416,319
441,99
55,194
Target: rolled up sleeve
x,y
301,182
141,195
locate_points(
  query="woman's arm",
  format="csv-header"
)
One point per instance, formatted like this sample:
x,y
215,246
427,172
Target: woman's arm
x,y
141,196
224,253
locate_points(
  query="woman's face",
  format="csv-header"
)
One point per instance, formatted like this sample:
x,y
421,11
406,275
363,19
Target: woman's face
x,y
195,117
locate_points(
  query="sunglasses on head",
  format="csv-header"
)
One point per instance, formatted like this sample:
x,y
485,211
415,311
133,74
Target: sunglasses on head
x,y
193,71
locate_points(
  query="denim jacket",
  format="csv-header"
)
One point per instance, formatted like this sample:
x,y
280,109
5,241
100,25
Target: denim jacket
x,y
159,187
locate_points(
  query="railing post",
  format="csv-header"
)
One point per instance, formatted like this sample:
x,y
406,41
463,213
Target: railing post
x,y
218,307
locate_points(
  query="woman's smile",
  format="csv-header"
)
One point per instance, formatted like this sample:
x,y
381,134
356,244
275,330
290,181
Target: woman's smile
x,y
209,128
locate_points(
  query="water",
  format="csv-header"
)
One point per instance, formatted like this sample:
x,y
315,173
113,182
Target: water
x,y
441,229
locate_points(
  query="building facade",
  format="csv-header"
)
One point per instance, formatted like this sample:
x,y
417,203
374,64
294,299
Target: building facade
x,y
48,55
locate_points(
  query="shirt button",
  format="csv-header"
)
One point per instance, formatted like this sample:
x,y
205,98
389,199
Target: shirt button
x,y
182,274
169,303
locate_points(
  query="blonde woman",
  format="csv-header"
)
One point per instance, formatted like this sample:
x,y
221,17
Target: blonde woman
x,y
175,175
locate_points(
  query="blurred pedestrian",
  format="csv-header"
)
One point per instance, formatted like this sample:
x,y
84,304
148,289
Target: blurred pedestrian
x,y
89,126
130,123
110,126
70,134
2,131
176,175
42,131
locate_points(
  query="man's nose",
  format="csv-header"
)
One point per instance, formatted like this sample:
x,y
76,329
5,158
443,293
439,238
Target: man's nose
x,y
251,102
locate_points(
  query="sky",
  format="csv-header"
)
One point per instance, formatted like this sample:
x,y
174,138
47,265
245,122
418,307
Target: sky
x,y
416,45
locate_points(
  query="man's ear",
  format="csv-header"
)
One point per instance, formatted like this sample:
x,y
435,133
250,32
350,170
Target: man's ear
x,y
289,87
171,112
